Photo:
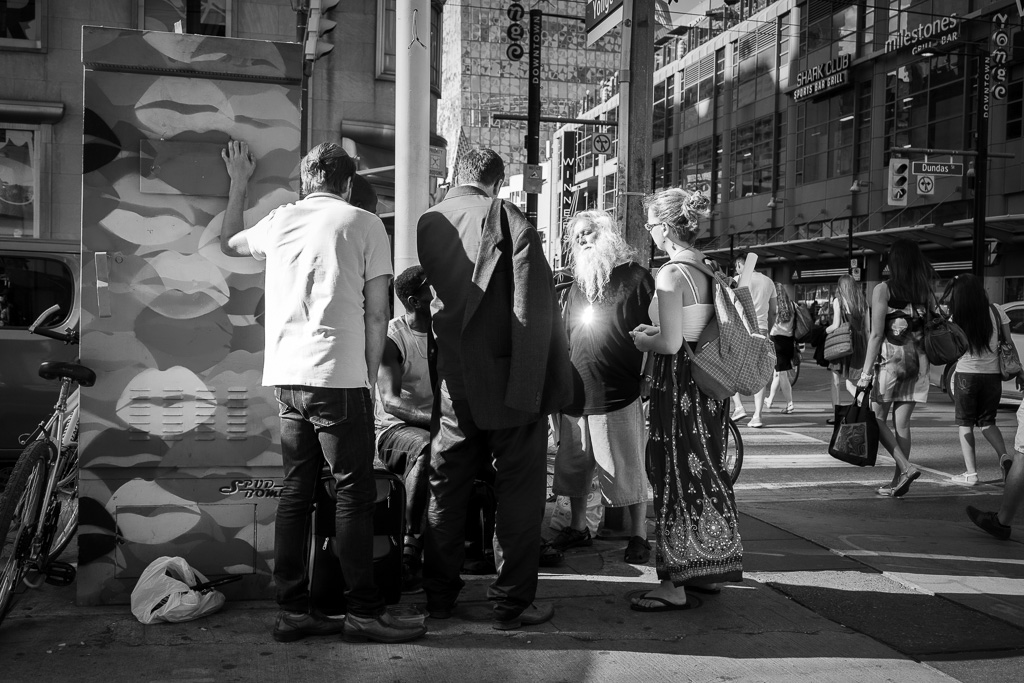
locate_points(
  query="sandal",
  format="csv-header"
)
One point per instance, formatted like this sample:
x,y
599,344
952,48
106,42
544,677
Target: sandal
x,y
967,478
638,551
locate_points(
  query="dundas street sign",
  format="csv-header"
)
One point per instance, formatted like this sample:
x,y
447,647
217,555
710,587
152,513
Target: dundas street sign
x,y
936,168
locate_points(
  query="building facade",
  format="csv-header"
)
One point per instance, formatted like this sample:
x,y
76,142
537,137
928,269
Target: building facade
x,y
480,78
789,115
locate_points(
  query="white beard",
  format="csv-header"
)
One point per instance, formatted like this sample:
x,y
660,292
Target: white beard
x,y
593,270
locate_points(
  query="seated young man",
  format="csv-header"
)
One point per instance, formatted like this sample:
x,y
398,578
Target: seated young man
x,y
404,401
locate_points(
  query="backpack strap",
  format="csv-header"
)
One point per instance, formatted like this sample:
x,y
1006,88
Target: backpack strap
x,y
689,280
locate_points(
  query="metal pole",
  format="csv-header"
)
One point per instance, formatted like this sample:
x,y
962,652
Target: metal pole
x,y
412,126
533,107
981,165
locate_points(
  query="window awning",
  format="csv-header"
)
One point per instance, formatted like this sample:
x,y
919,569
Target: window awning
x,y
956,234
25,111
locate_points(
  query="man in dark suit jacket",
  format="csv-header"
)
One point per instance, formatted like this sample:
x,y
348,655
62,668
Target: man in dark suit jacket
x,y
502,366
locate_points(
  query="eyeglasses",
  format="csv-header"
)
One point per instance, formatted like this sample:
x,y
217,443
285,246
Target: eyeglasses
x,y
650,226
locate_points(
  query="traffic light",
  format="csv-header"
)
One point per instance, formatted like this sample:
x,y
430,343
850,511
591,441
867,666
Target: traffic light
x,y
317,25
899,181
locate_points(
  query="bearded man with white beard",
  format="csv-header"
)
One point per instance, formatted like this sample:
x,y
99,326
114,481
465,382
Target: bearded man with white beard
x,y
603,428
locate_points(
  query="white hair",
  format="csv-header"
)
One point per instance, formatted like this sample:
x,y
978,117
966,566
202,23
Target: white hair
x,y
592,267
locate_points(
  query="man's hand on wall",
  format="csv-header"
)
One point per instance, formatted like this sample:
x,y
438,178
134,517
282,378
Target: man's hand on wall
x,y
239,162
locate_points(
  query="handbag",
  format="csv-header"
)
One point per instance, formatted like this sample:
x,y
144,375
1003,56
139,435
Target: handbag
x,y
839,342
855,435
804,324
944,341
1006,352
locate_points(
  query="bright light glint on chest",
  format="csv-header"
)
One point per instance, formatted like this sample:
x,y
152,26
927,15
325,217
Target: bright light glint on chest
x,y
588,315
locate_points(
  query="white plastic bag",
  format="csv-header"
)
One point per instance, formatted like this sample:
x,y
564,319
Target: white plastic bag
x,y
164,593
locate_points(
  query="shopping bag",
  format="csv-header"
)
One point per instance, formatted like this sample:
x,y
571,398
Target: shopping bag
x,y
170,590
855,435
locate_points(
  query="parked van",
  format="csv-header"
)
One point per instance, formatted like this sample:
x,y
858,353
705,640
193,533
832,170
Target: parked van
x,y
33,277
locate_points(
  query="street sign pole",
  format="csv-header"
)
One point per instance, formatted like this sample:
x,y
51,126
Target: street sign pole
x,y
533,109
981,167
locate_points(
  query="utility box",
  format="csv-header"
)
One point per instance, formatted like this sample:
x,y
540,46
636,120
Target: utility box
x,y
179,441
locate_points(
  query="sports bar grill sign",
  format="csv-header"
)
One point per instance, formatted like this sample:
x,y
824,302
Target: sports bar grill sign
x,y
817,80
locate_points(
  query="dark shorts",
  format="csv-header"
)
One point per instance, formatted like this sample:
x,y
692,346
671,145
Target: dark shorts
x,y
977,398
784,349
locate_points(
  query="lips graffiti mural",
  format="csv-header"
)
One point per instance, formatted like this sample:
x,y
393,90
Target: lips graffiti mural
x,y
178,437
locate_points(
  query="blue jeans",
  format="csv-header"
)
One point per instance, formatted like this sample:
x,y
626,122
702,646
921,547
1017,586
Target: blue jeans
x,y
333,425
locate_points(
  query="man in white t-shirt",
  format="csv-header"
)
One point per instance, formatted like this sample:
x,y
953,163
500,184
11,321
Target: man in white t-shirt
x,y
328,265
762,291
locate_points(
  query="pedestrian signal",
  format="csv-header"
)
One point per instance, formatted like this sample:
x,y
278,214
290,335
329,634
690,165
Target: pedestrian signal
x,y
899,180
317,26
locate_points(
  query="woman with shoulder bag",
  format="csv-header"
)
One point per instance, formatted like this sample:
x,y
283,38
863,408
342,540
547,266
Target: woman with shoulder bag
x,y
850,305
686,447
785,348
978,381
895,357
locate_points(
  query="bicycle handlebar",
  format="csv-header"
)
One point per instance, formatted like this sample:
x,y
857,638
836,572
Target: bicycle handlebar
x,y
68,337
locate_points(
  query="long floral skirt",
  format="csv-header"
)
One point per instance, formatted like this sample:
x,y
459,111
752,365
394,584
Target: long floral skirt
x,y
696,524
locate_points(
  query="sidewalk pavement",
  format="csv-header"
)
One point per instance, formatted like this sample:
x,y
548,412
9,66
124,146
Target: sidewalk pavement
x,y
754,631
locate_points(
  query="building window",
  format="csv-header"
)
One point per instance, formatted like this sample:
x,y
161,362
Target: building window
x,y
754,65
19,181
658,119
386,42
31,284
387,45
825,138
670,105
698,91
829,32
695,167
1015,103
609,192
924,103
22,24
752,167
202,17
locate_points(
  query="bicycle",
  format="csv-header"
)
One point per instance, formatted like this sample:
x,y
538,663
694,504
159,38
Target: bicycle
x,y
39,507
733,460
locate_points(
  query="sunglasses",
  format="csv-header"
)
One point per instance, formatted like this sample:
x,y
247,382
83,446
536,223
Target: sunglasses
x,y
650,226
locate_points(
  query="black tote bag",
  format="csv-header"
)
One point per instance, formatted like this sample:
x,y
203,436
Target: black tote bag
x,y
855,435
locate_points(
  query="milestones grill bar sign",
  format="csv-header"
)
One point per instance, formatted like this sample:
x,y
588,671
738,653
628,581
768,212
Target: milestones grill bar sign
x,y
823,78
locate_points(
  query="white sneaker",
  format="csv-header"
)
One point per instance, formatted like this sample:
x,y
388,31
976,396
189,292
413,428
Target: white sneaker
x,y
967,478
738,414
755,422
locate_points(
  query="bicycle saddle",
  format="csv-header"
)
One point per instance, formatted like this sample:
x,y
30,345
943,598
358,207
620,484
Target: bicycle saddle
x,y
52,369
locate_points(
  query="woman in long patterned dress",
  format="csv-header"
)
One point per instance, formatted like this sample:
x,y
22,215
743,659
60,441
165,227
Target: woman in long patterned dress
x,y
698,540
895,360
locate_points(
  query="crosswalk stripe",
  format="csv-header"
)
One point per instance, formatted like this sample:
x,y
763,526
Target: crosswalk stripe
x,y
776,437
788,461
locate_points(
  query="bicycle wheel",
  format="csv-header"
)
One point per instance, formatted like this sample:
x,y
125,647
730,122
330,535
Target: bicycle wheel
x,y
733,460
20,507
63,514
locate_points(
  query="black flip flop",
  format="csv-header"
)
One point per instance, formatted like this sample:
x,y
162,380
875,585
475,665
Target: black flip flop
x,y
664,606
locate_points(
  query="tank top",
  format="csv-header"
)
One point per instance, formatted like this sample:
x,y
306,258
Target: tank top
x,y
412,347
697,315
